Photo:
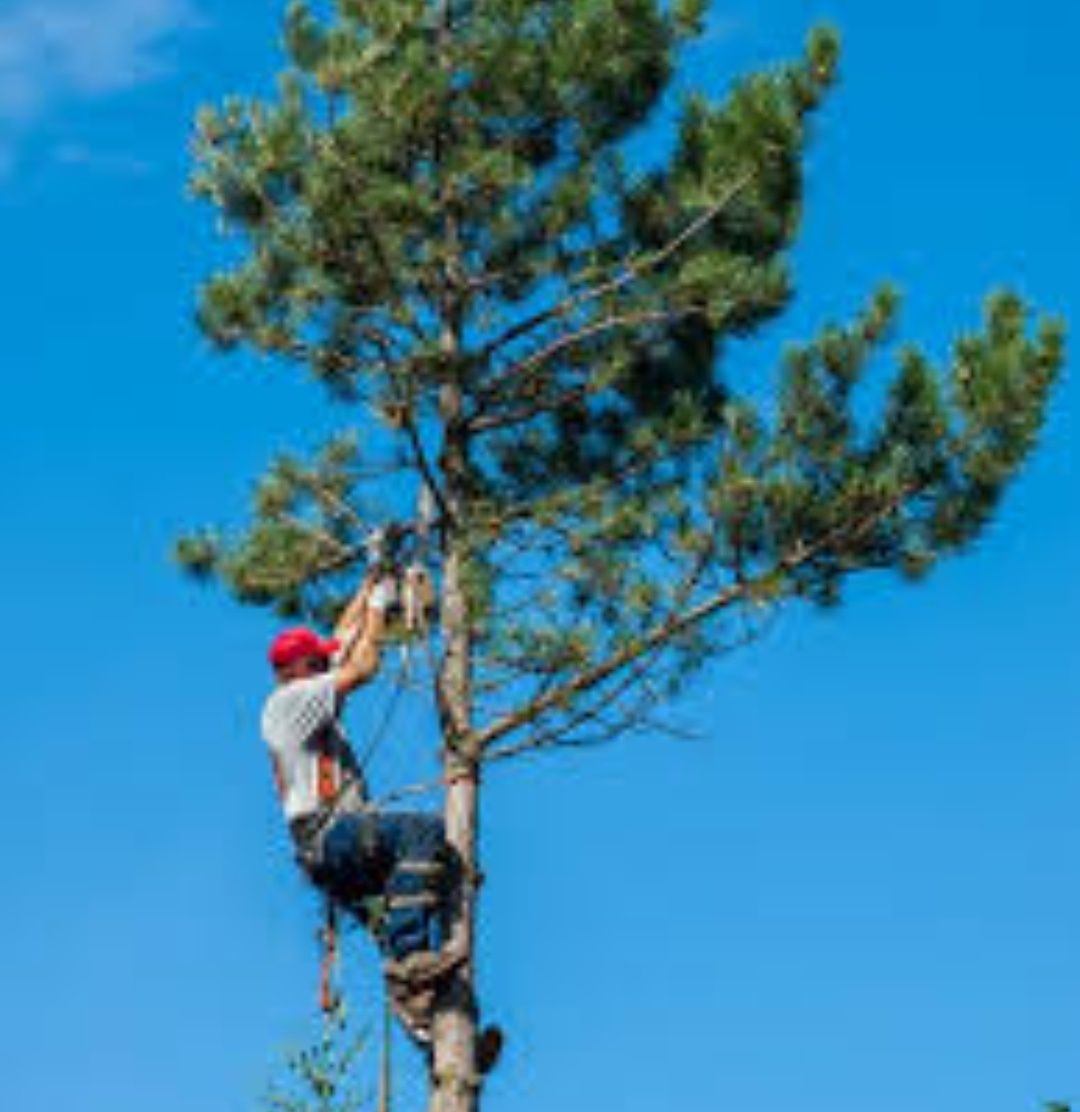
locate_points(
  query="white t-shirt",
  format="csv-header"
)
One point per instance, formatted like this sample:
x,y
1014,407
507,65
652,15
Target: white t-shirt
x,y
306,741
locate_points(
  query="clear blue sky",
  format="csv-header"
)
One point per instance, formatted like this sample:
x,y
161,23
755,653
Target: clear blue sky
x,y
856,892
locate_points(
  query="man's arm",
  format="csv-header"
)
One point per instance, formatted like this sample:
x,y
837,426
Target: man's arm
x,y
352,617
360,630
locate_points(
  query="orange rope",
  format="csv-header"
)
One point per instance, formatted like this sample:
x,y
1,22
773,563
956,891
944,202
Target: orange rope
x,y
328,998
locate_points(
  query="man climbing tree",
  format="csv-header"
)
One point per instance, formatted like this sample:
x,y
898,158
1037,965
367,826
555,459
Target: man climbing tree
x,y
392,871
442,221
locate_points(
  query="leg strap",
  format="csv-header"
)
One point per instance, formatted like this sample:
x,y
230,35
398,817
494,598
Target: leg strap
x,y
411,899
420,868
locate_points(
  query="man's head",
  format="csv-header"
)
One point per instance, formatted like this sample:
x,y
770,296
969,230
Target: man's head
x,y
299,652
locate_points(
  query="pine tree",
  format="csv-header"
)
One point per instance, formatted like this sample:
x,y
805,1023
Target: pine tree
x,y
440,220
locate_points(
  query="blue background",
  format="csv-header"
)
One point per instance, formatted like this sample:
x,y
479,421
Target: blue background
x,y
854,891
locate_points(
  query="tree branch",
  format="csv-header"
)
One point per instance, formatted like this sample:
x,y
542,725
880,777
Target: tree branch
x,y
496,422
483,423
670,627
557,736
633,270
423,465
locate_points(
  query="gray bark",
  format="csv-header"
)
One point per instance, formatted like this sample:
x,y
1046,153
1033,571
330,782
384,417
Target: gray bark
x,y
455,1087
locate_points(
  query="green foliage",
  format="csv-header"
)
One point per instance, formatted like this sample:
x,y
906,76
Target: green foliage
x,y
322,1077
308,531
437,218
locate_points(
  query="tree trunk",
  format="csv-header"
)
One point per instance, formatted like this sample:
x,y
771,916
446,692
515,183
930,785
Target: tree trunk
x,y
454,1083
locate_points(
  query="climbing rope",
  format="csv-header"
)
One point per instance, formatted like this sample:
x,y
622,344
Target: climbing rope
x,y
330,1001
401,550
382,729
385,1064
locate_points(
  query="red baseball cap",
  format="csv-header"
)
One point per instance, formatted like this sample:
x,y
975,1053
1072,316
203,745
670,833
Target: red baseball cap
x,y
294,644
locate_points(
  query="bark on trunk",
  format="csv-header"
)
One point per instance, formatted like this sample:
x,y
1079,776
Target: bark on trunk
x,y
455,1086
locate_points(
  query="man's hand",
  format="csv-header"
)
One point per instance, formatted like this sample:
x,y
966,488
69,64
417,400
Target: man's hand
x,y
383,594
360,630
353,616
